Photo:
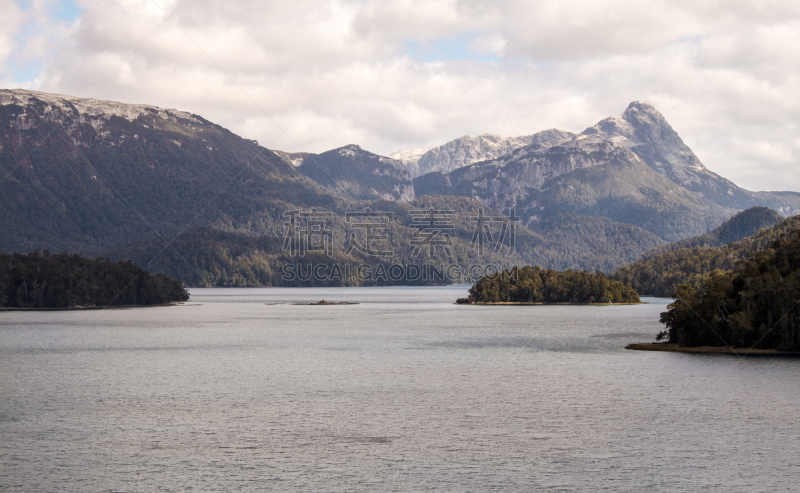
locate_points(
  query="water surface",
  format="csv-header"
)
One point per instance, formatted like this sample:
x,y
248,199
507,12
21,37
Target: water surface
x,y
240,389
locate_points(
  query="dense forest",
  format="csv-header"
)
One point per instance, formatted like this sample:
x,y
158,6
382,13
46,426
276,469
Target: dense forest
x,y
217,256
744,224
660,274
755,306
44,280
537,285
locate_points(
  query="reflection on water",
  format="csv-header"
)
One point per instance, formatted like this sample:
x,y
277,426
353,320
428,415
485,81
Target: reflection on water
x,y
242,389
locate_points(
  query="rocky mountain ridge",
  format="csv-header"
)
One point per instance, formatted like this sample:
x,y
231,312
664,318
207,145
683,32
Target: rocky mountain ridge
x,y
356,174
641,129
587,175
467,150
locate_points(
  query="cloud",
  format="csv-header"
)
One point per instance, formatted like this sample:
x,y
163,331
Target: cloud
x,y
392,75
10,24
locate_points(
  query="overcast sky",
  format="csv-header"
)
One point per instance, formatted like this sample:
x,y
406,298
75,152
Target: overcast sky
x,y
393,75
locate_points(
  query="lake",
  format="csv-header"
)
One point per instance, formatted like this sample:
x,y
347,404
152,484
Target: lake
x,y
240,389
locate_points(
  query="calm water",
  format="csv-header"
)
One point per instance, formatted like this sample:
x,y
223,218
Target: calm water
x,y
404,392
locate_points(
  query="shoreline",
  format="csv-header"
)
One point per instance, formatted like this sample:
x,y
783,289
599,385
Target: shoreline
x,y
670,347
82,308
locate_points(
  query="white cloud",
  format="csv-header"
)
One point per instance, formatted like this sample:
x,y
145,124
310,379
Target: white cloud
x,y
10,24
723,73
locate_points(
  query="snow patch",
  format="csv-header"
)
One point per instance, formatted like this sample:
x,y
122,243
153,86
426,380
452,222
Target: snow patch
x,y
88,106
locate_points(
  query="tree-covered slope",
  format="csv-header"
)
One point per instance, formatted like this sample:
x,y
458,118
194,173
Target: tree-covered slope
x,y
580,242
209,257
754,306
662,273
85,175
744,224
69,281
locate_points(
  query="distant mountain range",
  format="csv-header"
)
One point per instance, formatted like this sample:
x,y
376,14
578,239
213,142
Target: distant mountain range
x,y
100,177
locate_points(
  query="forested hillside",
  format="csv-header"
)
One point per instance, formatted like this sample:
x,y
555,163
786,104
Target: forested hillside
x,y
660,274
744,224
754,306
209,257
86,176
42,280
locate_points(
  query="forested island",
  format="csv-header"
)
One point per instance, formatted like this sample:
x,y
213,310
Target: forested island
x,y
44,280
753,307
533,284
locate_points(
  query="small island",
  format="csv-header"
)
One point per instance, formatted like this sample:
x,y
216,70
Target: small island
x,y
754,309
39,281
323,302
535,285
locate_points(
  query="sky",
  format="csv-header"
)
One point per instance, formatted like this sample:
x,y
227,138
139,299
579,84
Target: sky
x,y
395,75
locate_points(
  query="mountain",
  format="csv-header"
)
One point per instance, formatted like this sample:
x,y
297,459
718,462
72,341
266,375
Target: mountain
x,y
586,175
182,195
640,129
467,150
356,174
84,176
645,131
409,158
633,169
661,271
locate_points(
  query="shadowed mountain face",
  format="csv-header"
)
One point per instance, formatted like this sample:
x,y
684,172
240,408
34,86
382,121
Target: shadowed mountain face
x,y
356,174
84,175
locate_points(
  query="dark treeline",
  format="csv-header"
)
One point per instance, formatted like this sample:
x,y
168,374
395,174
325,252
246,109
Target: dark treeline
x,y
537,285
660,273
753,306
44,280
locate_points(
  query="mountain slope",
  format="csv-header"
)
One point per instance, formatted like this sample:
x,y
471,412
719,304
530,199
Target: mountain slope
x,y
357,174
744,224
208,257
660,274
84,175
